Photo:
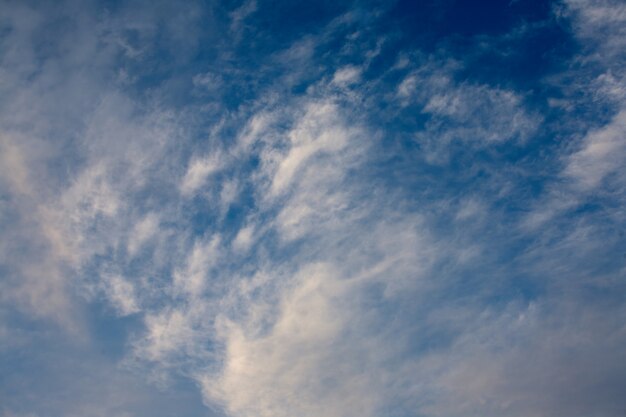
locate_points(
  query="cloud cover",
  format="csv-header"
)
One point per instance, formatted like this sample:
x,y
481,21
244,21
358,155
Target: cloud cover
x,y
219,215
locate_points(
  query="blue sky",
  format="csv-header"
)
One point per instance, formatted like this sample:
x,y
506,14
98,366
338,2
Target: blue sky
x,y
313,209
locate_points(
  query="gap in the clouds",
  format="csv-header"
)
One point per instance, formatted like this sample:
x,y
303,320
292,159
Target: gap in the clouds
x,y
296,19
520,61
160,56
243,59
110,332
512,45
432,20
53,374
207,216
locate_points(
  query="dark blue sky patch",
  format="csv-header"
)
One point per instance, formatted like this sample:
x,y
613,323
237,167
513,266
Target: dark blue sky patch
x,y
435,21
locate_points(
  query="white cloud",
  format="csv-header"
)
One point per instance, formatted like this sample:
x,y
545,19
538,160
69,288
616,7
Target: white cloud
x,y
192,279
600,22
407,87
319,131
229,194
244,238
143,231
346,76
602,153
199,172
167,333
477,115
281,374
209,82
239,15
13,166
121,294
312,359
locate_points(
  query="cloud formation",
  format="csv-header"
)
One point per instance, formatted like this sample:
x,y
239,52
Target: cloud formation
x,y
208,213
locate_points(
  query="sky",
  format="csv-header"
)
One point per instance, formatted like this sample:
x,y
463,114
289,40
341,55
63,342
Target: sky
x,y
313,209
